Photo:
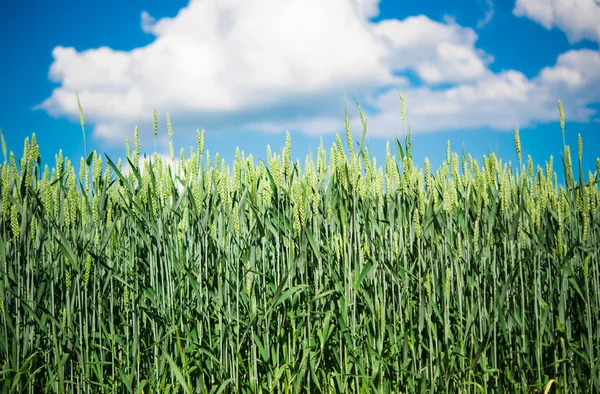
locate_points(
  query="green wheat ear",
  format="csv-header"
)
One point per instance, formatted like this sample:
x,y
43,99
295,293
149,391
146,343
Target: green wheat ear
x,y
561,114
82,121
3,145
518,145
154,126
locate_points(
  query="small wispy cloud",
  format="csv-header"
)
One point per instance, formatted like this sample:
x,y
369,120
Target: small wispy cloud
x,y
489,15
147,22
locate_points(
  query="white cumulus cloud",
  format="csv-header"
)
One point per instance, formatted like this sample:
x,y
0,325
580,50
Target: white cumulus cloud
x,y
438,52
579,19
273,65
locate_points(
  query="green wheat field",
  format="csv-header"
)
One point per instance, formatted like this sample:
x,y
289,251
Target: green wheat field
x,y
188,276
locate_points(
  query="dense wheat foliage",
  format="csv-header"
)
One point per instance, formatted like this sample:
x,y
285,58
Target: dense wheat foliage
x,y
344,277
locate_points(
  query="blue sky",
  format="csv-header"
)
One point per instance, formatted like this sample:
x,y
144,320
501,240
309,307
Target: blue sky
x,y
247,71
